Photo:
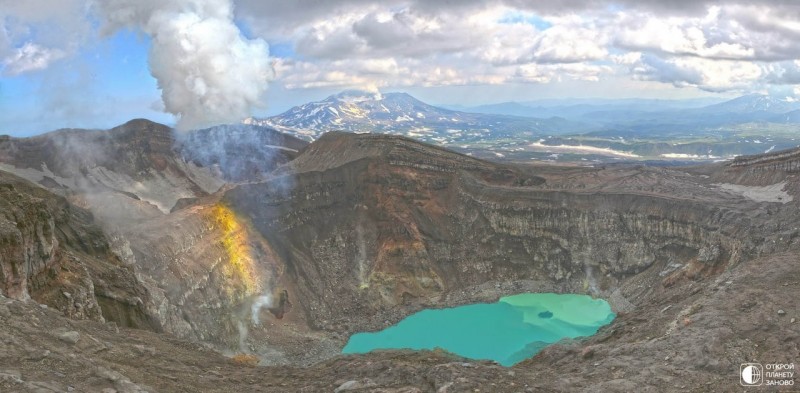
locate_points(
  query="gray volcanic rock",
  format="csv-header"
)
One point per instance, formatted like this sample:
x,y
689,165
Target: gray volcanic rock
x,y
763,169
135,160
376,223
697,344
141,164
52,252
359,231
238,152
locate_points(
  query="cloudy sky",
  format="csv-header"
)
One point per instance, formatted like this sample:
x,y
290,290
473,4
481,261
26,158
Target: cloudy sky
x,y
96,63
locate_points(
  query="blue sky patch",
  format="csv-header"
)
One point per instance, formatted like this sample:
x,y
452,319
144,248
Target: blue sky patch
x,y
524,17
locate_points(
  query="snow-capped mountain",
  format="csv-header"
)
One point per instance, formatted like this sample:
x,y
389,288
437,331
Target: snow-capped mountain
x,y
756,103
400,113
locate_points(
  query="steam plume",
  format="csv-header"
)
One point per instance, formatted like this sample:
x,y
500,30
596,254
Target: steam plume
x,y
590,280
208,72
259,302
255,309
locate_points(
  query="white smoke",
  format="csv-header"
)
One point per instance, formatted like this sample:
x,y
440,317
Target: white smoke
x,y
591,280
260,302
243,333
208,72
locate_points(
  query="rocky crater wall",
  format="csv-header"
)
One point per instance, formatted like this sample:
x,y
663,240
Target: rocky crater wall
x,y
369,235
51,251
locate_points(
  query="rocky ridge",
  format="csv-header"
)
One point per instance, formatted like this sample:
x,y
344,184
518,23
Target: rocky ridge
x,y
52,252
362,230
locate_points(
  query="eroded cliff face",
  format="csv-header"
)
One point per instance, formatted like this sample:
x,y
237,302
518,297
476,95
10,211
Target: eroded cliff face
x,y
144,167
786,161
28,236
212,277
359,231
204,269
141,181
134,162
376,222
362,230
52,252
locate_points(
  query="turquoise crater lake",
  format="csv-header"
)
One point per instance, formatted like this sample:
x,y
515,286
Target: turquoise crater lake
x,y
508,332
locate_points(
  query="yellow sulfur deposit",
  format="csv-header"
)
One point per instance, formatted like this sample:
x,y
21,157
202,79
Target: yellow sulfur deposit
x,y
240,266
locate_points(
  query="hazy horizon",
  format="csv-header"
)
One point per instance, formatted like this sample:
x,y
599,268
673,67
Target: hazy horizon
x,y
93,64
551,102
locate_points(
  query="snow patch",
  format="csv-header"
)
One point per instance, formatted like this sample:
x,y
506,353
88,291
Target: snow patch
x,y
772,193
581,149
689,156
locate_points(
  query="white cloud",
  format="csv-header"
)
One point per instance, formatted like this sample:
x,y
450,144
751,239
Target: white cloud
x,y
704,44
408,46
36,33
523,43
373,73
714,46
30,57
568,44
545,73
402,32
705,74
712,36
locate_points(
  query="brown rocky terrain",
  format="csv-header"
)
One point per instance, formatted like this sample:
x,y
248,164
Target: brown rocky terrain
x,y
53,253
133,161
696,344
373,223
144,162
359,231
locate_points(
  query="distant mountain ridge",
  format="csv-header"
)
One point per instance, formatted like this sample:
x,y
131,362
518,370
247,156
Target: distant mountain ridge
x,y
401,114
646,113
576,107
756,103
580,129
